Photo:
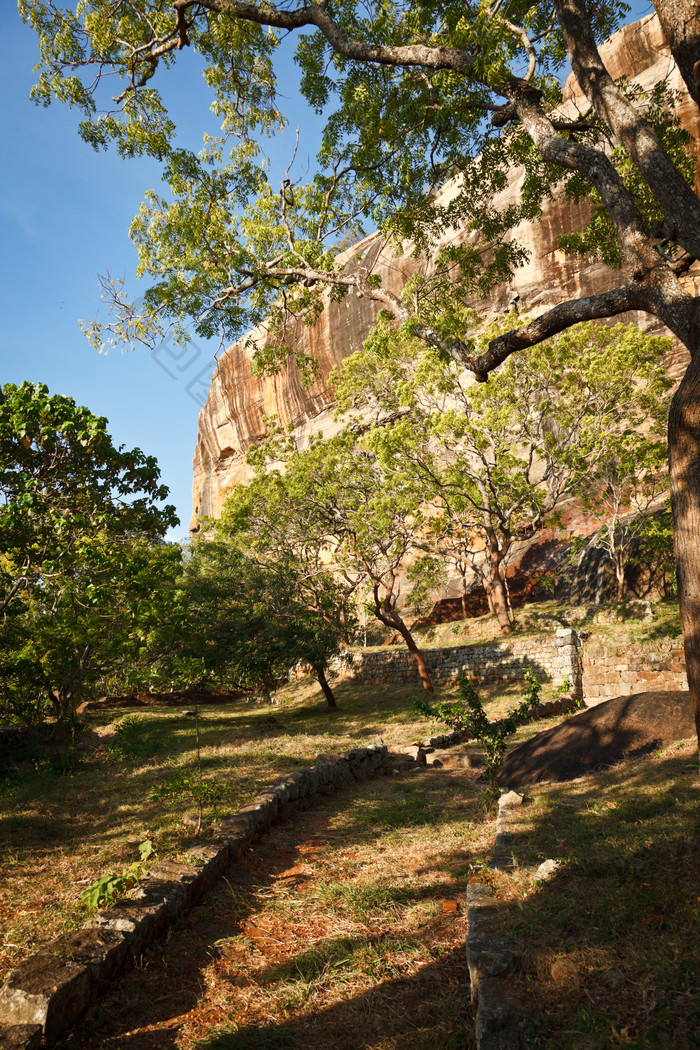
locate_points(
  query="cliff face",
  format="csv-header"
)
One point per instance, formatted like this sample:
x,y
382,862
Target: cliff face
x,y
232,417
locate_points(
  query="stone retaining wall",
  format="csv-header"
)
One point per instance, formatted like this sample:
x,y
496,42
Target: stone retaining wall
x,y
595,670
554,659
45,994
613,669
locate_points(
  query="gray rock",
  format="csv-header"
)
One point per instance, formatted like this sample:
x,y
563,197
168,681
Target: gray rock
x,y
498,1016
546,870
211,860
46,990
489,952
141,921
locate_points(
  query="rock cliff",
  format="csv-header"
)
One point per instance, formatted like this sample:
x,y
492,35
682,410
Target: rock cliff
x,y
232,417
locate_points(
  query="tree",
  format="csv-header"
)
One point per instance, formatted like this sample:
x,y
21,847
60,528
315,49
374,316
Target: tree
x,y
239,622
81,551
365,520
414,85
270,523
491,463
627,485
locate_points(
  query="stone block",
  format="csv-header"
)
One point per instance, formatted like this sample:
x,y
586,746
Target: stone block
x,y
104,952
489,953
183,875
498,1016
401,763
417,753
141,921
212,859
282,792
20,1037
268,798
509,800
161,888
46,990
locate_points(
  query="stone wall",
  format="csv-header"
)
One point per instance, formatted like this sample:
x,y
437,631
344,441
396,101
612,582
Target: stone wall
x,y
45,994
553,659
596,670
620,669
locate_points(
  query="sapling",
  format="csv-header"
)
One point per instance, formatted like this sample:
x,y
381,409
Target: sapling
x,y
201,791
467,713
108,888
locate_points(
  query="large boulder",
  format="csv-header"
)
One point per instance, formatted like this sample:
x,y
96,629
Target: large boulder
x,y
600,736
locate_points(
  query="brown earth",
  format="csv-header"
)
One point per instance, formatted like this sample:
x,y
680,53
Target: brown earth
x,y
272,958
177,699
600,736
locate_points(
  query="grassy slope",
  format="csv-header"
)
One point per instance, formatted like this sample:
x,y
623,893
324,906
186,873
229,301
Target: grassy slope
x,y
612,941
343,930
58,833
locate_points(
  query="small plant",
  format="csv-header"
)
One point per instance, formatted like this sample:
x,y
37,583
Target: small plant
x,y
108,888
467,713
202,792
565,686
133,742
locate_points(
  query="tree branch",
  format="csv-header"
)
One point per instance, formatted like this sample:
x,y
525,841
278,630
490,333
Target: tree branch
x,y
559,318
628,125
357,50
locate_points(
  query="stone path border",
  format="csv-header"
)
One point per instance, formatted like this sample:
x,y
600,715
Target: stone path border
x,y
45,994
491,957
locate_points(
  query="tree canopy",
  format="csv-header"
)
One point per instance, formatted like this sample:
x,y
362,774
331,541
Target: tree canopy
x,y
359,518
491,464
81,550
235,620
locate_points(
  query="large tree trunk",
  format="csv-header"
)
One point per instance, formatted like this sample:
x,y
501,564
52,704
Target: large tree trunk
x,y
680,22
496,593
464,599
684,463
390,618
416,653
327,691
619,563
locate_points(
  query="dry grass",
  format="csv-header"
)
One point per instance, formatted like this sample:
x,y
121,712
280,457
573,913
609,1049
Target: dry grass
x,y
345,929
59,832
336,925
536,619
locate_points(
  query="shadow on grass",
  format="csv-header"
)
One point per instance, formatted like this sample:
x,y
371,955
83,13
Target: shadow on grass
x,y
425,1010
612,941
403,1012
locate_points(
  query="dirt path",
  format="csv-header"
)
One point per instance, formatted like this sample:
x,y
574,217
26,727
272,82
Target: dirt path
x,y
344,929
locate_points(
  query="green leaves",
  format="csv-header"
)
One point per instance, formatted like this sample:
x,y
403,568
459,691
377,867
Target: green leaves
x,y
490,463
467,713
81,554
108,888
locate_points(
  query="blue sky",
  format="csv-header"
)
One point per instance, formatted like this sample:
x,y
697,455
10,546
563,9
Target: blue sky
x,y
64,216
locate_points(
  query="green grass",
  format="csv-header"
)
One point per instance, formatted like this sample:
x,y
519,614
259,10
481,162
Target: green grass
x,y
626,847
